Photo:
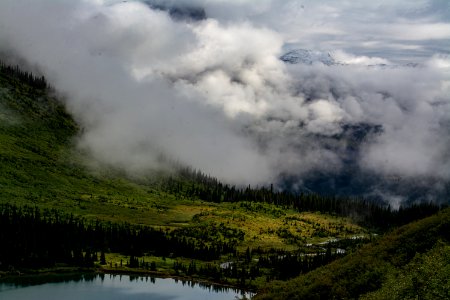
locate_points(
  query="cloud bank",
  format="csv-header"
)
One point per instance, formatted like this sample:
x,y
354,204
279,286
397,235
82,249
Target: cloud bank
x,y
213,94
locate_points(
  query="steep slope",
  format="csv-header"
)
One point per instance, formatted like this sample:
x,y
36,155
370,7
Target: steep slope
x,y
412,261
427,276
40,166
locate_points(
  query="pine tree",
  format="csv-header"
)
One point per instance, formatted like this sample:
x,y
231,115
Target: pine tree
x,y
103,258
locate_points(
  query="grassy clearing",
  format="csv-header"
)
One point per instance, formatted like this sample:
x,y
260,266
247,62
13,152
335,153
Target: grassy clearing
x,y
268,226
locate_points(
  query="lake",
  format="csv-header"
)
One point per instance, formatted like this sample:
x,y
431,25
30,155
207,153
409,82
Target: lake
x,y
118,287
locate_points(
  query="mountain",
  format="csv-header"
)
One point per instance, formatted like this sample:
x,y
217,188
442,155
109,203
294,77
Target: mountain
x,y
307,57
58,211
310,57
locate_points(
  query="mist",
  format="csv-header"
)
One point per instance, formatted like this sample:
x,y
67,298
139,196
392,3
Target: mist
x,y
213,94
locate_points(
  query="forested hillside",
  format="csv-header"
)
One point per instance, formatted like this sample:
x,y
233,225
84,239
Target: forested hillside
x,y
412,262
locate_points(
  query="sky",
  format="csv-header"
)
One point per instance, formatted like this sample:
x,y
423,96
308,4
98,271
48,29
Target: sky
x,y
213,94
400,30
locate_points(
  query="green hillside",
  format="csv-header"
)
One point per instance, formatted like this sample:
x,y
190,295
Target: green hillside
x,y
412,262
39,165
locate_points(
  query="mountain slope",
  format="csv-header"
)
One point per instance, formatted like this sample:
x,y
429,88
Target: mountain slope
x,y
422,244
39,164
427,276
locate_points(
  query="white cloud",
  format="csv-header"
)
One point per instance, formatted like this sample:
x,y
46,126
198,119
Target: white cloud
x,y
213,94
352,59
325,116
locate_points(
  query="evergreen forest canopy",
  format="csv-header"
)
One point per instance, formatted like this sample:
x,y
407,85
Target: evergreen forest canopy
x,y
56,213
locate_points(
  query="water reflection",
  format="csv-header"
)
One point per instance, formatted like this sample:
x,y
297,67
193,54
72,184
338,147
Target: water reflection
x,y
114,287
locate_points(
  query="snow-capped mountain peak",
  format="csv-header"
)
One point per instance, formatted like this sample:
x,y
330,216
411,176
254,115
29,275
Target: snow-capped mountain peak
x,y
339,58
308,57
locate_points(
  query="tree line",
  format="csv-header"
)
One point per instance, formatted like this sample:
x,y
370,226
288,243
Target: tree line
x,y
34,238
192,183
38,82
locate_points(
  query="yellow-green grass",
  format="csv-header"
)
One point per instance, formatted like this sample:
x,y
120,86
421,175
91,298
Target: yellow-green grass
x,y
264,225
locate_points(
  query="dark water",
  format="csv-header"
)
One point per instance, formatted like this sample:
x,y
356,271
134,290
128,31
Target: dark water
x,y
110,287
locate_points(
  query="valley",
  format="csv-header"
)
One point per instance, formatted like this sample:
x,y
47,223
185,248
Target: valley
x,y
167,223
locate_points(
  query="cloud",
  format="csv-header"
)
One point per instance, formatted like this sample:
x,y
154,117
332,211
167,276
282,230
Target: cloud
x,y
213,93
351,59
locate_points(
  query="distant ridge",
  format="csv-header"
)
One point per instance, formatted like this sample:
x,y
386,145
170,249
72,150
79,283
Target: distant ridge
x,y
179,12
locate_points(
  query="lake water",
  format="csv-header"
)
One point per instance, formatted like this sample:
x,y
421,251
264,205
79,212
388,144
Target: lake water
x,y
118,287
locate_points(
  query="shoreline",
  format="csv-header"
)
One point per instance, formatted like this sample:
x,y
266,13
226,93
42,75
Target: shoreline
x,y
61,274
